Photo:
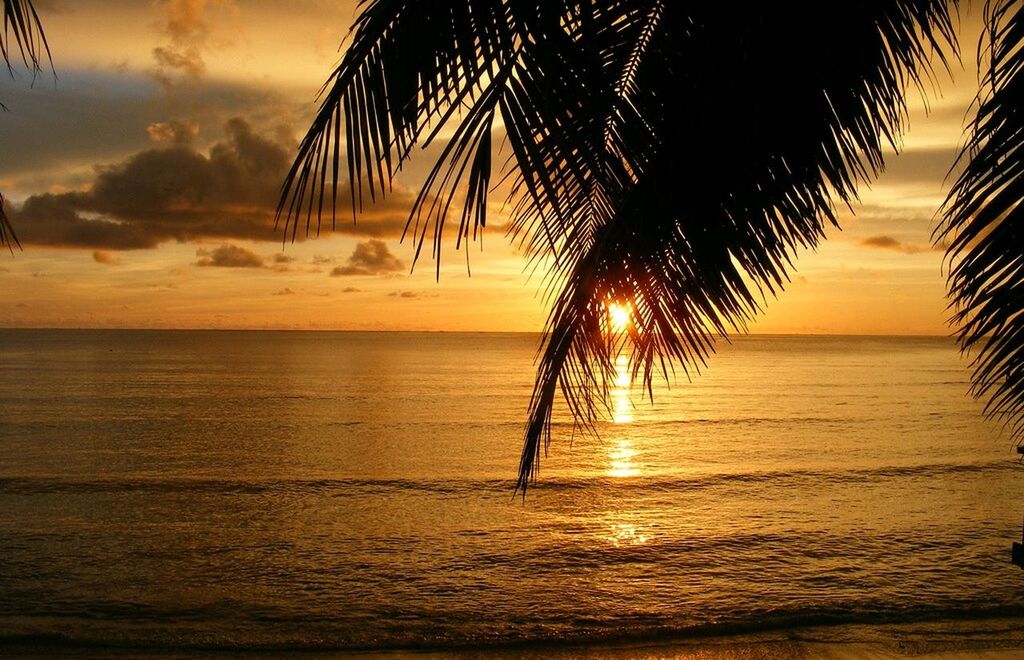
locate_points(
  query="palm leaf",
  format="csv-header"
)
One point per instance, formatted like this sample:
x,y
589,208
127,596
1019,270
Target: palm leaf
x,y
7,235
984,219
22,37
735,177
410,64
674,156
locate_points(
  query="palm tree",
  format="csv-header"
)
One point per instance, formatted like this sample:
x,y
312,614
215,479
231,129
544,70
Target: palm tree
x,y
669,156
22,38
983,223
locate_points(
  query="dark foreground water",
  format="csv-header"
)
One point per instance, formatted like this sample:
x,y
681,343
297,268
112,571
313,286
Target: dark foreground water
x,y
248,490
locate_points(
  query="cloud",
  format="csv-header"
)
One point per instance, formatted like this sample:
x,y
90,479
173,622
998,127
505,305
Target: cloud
x,y
926,165
176,193
104,257
174,131
186,60
884,242
351,289
229,256
51,7
281,258
111,114
185,25
369,258
284,292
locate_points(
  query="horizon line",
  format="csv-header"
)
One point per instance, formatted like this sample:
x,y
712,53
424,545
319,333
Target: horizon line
x,y
451,332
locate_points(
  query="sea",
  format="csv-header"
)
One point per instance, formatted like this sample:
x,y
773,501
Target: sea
x,y
201,492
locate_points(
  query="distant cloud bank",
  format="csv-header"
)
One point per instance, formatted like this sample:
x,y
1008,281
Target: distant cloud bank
x,y
175,193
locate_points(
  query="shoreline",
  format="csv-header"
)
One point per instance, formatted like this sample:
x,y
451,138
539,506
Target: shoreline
x,y
987,639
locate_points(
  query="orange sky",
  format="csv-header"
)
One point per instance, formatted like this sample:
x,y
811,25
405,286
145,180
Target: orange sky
x,y
210,94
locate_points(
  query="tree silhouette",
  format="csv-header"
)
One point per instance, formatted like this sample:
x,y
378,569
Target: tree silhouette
x,y
984,222
672,157
21,39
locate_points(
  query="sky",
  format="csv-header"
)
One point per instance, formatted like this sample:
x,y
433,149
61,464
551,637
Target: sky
x,y
142,180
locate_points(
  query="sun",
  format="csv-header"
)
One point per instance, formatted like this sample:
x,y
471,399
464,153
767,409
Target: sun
x,y
618,317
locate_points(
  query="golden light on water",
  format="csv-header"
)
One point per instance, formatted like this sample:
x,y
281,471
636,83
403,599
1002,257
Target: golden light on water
x,y
626,534
622,407
621,455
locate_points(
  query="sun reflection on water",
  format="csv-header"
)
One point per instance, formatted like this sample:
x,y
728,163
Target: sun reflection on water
x,y
625,534
622,407
621,455
622,530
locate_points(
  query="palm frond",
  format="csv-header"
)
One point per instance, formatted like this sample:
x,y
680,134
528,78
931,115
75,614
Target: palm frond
x,y
738,174
22,37
984,222
410,68
674,156
7,236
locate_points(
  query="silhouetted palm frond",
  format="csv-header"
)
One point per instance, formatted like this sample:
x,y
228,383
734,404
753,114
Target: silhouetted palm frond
x,y
21,37
415,69
409,64
7,236
984,222
759,138
670,156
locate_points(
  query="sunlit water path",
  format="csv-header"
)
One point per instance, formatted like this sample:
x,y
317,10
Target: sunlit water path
x,y
353,490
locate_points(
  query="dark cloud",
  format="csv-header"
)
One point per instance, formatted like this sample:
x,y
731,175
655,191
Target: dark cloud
x,y
885,242
889,243
174,131
281,258
229,256
184,60
96,117
369,258
284,292
176,193
104,257
408,294
351,289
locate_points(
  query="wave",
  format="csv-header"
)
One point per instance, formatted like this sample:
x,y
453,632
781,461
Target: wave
x,y
458,485
933,626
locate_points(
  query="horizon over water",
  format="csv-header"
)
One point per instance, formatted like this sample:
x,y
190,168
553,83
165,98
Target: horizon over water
x,y
204,490
533,333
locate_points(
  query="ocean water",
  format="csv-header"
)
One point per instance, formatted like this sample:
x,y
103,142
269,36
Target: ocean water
x,y
284,491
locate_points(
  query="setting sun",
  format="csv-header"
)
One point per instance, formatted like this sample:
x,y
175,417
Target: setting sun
x,y
618,317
